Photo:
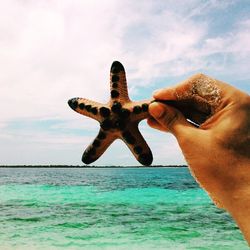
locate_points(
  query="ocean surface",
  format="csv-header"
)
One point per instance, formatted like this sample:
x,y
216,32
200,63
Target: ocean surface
x,y
110,208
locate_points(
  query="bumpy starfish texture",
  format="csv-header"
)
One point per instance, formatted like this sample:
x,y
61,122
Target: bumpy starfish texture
x,y
119,119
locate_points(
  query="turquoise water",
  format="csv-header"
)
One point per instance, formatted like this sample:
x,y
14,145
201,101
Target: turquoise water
x,y
146,208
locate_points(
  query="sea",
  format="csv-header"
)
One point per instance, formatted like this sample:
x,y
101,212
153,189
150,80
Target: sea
x,y
110,208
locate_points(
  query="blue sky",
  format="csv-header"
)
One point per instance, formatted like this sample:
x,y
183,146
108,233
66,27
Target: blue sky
x,y
51,51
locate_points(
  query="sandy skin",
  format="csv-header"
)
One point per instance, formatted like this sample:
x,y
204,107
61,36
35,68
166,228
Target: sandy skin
x,y
218,151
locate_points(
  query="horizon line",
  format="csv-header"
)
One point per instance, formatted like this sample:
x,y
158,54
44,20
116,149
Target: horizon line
x,y
85,166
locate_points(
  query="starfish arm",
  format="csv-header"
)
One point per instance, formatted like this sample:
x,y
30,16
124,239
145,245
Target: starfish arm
x,y
137,145
118,83
139,109
102,141
86,107
118,118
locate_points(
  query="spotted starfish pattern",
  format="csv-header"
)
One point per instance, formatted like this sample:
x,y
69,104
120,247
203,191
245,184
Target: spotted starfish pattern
x,y
119,119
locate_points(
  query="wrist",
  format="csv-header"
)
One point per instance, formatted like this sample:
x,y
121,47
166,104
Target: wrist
x,y
238,205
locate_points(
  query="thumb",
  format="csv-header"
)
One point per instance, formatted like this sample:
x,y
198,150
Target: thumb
x,y
172,120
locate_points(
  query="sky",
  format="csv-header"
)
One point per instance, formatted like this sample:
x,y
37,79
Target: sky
x,y
51,51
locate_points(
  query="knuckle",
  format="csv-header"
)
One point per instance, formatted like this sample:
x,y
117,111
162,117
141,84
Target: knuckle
x,y
170,119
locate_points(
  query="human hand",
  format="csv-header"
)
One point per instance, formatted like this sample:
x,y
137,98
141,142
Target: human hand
x,y
218,151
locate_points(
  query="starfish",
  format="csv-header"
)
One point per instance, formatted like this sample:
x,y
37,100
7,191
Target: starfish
x,y
119,119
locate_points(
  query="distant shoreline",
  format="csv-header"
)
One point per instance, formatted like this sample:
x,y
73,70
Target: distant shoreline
x,y
84,166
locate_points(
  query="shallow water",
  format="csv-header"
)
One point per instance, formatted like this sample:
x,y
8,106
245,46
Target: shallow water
x,y
146,208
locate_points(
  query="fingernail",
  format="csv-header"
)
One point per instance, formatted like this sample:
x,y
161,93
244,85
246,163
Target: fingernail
x,y
156,110
156,92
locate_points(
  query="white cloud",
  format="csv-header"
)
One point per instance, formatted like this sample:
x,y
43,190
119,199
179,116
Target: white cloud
x,y
51,51
55,50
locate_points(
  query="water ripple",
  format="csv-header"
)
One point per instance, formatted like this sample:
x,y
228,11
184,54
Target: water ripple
x,y
110,209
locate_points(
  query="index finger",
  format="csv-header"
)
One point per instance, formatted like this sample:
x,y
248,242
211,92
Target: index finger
x,y
197,85
197,98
